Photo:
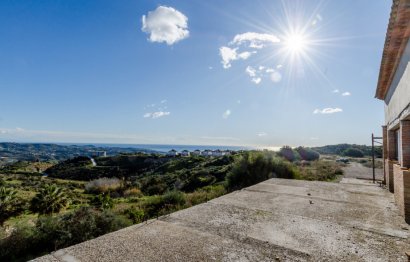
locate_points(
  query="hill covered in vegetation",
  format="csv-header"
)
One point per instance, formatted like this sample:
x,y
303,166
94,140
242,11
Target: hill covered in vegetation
x,y
10,152
79,200
351,150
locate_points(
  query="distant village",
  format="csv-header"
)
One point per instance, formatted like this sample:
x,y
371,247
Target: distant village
x,y
198,152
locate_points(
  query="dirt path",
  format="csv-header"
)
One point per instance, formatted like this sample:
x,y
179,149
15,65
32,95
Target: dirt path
x,y
357,170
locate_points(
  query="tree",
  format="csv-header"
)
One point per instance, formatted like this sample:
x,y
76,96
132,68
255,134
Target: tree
x,y
49,200
10,204
353,152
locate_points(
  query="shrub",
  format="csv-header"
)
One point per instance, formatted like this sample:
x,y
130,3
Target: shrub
x,y
133,192
154,186
307,154
102,201
204,194
103,185
174,198
353,152
20,245
10,204
288,153
254,167
55,232
152,205
159,205
321,171
136,215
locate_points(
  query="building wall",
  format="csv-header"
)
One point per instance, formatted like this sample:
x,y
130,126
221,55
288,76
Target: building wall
x,y
398,96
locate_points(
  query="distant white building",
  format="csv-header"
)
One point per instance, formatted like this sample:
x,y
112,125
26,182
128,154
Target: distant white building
x,y
206,152
196,152
217,153
185,153
172,152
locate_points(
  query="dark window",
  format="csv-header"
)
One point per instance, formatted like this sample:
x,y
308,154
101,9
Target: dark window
x,y
397,147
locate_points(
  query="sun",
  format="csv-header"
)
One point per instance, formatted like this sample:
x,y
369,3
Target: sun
x,y
296,43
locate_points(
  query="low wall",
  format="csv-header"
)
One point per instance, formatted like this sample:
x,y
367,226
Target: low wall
x,y
388,169
402,190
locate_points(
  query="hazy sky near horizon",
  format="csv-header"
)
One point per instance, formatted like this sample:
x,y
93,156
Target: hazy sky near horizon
x,y
252,73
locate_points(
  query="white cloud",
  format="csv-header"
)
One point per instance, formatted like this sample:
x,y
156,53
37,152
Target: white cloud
x,y
226,114
336,91
230,54
327,110
279,66
250,71
256,40
256,80
261,134
19,129
163,101
3,132
346,94
238,102
210,67
314,138
155,115
260,72
165,24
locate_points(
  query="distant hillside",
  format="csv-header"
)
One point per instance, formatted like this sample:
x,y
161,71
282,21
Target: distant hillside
x,y
152,173
47,152
343,149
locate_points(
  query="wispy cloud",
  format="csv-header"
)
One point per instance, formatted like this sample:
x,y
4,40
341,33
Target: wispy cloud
x,y
226,114
254,40
335,91
230,54
250,71
155,115
261,134
328,110
260,72
248,40
165,24
256,80
346,94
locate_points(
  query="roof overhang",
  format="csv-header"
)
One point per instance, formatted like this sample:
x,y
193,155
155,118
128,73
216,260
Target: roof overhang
x,y
398,32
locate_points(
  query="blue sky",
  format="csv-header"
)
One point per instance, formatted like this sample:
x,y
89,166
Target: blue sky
x,y
252,73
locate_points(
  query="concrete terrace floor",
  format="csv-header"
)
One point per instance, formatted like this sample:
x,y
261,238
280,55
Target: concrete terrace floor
x,y
276,220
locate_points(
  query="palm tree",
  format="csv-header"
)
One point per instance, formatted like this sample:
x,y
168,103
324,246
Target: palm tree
x,y
10,204
49,199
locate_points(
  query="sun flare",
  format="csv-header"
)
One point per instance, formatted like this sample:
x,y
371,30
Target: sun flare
x,y
296,43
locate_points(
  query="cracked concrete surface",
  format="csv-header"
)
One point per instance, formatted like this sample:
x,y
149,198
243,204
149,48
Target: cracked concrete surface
x,y
276,220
